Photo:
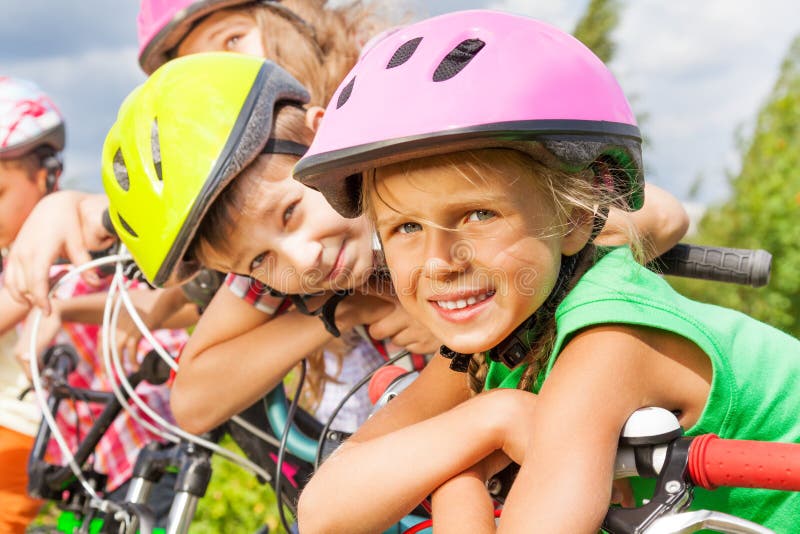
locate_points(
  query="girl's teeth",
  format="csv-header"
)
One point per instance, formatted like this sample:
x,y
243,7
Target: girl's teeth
x,y
461,303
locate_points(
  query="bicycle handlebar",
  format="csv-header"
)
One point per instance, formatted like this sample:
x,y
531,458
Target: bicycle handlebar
x,y
715,462
721,264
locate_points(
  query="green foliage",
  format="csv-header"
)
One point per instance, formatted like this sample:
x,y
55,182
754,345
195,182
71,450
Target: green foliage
x,y
595,26
235,501
764,209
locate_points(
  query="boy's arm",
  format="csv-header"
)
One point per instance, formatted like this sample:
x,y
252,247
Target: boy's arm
x,y
661,223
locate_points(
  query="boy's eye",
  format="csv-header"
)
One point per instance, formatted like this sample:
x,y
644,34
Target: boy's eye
x,y
258,261
231,43
480,215
409,227
287,215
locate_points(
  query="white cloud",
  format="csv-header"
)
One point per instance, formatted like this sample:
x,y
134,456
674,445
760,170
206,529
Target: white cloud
x,y
700,70
560,14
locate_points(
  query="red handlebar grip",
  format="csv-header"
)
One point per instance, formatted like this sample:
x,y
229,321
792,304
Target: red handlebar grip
x,y
717,462
381,380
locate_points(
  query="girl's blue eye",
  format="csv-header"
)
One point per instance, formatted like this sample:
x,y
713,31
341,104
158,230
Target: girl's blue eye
x,y
258,261
481,215
408,228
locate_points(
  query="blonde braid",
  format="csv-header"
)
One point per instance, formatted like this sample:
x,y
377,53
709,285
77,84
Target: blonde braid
x,y
477,371
542,346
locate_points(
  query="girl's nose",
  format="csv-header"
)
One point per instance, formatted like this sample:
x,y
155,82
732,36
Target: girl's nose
x,y
446,253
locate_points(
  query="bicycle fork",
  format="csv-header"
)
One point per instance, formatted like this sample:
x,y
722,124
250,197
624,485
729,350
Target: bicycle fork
x,y
194,473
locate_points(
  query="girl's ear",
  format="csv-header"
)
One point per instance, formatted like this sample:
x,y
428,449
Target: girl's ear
x,y
581,223
314,116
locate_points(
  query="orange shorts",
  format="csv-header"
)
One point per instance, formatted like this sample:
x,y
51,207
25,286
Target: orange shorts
x,y
17,509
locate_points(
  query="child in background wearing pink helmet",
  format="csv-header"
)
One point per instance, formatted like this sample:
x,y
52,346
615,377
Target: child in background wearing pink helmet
x,y
32,137
487,180
168,30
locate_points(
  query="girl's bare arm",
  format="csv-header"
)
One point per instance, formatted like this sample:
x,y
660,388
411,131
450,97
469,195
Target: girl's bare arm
x,y
420,440
601,377
661,223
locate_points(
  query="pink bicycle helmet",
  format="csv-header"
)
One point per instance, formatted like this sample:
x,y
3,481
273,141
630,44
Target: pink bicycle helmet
x,y
474,79
28,119
162,24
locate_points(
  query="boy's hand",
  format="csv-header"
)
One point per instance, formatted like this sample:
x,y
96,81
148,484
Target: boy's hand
x,y
48,328
66,223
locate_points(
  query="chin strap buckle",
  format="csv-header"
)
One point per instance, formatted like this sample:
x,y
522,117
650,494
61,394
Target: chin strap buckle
x,y
326,312
459,362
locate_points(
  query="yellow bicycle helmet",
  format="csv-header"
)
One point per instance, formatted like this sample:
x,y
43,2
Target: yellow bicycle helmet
x,y
179,139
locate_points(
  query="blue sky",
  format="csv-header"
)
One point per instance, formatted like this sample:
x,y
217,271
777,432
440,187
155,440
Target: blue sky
x,y
699,70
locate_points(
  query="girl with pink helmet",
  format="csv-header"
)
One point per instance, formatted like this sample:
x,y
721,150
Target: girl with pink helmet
x,y
502,144
313,40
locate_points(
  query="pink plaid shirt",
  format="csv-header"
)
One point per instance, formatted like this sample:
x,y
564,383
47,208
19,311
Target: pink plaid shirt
x,y
116,452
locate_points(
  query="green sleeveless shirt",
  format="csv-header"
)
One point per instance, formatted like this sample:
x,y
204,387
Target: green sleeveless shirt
x,y
755,389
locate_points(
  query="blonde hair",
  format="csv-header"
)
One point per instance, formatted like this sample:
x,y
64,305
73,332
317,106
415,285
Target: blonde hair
x,y
584,192
322,48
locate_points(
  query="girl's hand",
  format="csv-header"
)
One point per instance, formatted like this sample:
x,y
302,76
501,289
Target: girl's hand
x,y
404,331
128,337
361,308
66,223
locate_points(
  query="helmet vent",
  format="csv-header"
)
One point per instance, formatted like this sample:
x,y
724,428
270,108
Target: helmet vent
x,y
457,59
156,149
344,96
121,171
126,226
404,53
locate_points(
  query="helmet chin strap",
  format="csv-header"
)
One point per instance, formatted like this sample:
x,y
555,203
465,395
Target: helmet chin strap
x,y
51,162
512,350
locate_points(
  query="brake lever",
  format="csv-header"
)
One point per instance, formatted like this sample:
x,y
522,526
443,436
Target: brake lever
x,y
686,522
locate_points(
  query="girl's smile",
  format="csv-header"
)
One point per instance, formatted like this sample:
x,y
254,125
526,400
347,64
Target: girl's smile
x,y
491,251
463,307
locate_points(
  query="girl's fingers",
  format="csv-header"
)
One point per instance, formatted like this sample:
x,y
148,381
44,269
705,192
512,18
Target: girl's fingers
x,y
389,326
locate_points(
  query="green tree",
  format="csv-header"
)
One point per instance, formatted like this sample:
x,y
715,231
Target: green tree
x,y
764,208
596,25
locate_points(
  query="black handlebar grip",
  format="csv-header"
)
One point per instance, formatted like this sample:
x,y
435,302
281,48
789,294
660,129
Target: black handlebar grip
x,y
735,265
154,369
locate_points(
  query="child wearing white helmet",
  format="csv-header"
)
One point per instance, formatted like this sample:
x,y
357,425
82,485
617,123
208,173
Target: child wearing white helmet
x,y
32,135
31,140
